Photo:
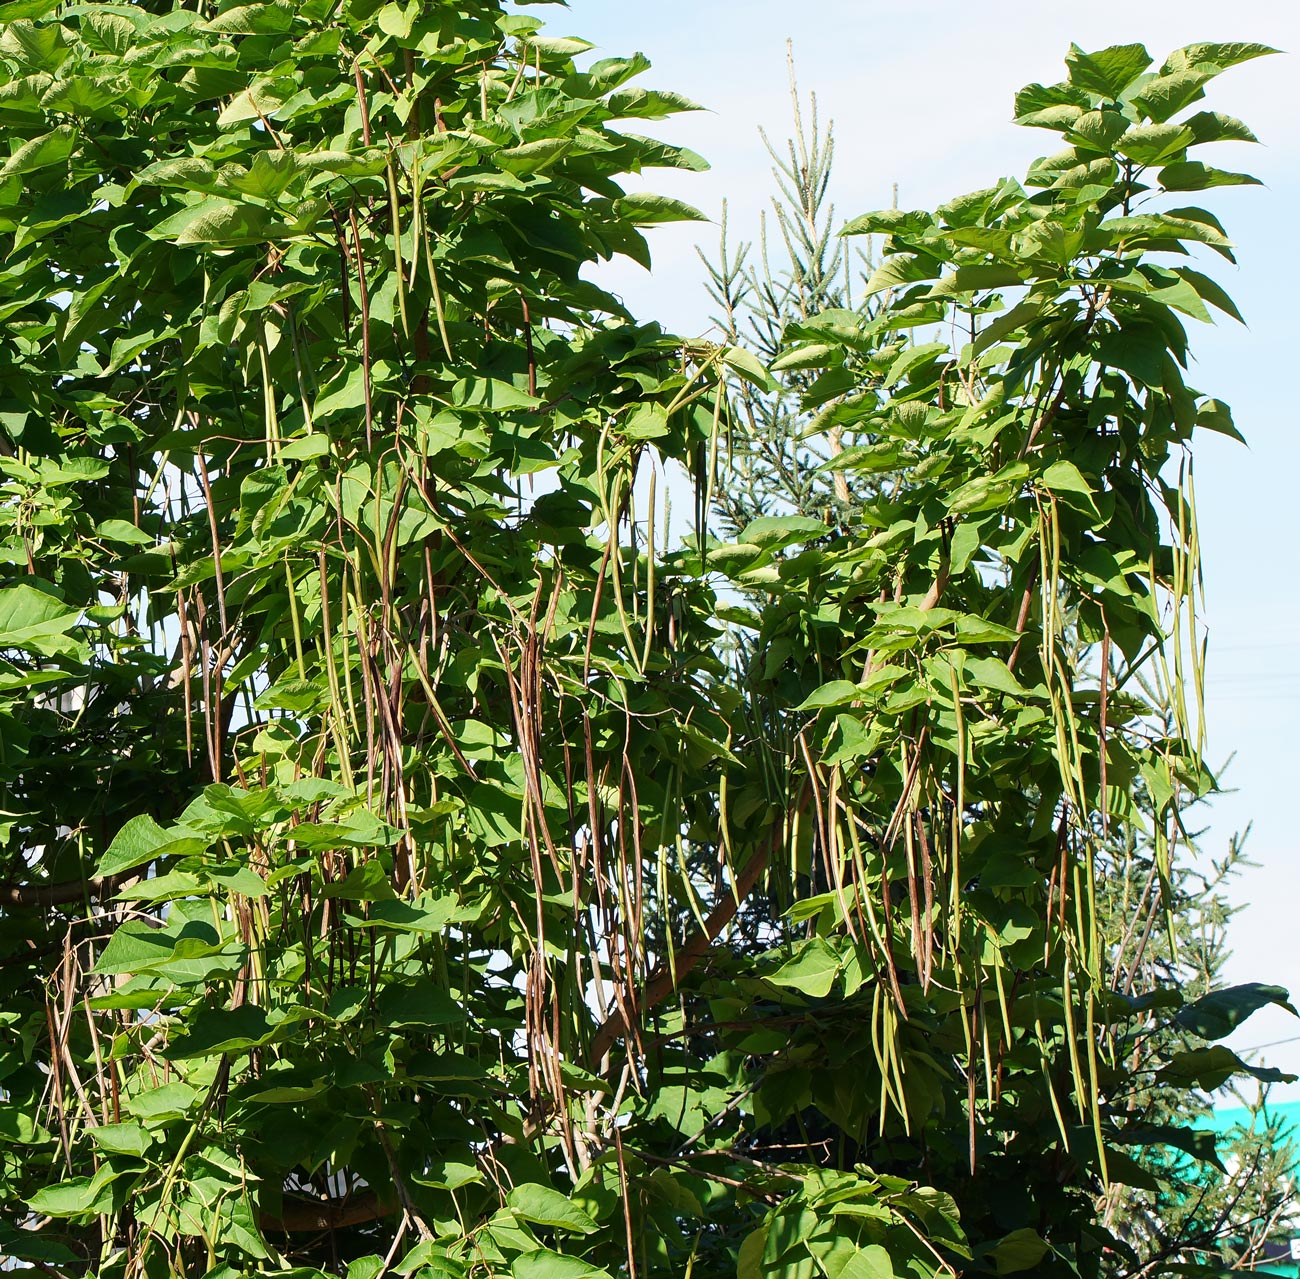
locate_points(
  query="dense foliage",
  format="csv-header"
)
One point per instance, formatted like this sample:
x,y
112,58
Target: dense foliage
x,y
1162,923
399,872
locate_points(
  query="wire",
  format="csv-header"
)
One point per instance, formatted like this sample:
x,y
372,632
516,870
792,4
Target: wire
x,y
1274,1043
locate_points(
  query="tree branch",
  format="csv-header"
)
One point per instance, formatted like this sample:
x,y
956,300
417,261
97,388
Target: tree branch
x,y
667,979
300,1216
73,890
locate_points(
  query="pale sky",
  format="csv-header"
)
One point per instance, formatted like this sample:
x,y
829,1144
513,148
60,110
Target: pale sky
x,y
921,94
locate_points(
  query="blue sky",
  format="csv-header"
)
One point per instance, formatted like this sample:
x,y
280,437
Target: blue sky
x,y
920,94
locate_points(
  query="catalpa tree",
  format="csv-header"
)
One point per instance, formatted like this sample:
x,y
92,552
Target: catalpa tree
x,y
402,871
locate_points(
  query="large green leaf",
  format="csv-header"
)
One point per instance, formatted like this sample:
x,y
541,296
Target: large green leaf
x,y
542,1263
29,615
1210,1068
812,970
1219,1013
777,531
40,153
142,841
1020,1250
77,1196
642,208
1108,71
223,1030
546,1207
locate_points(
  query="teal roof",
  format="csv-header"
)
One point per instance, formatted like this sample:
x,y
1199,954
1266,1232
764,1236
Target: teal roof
x,y
1288,1114
1231,1116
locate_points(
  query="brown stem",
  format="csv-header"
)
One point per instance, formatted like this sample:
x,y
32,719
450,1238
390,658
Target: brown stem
x,y
365,106
1022,619
528,346
1102,726
365,326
